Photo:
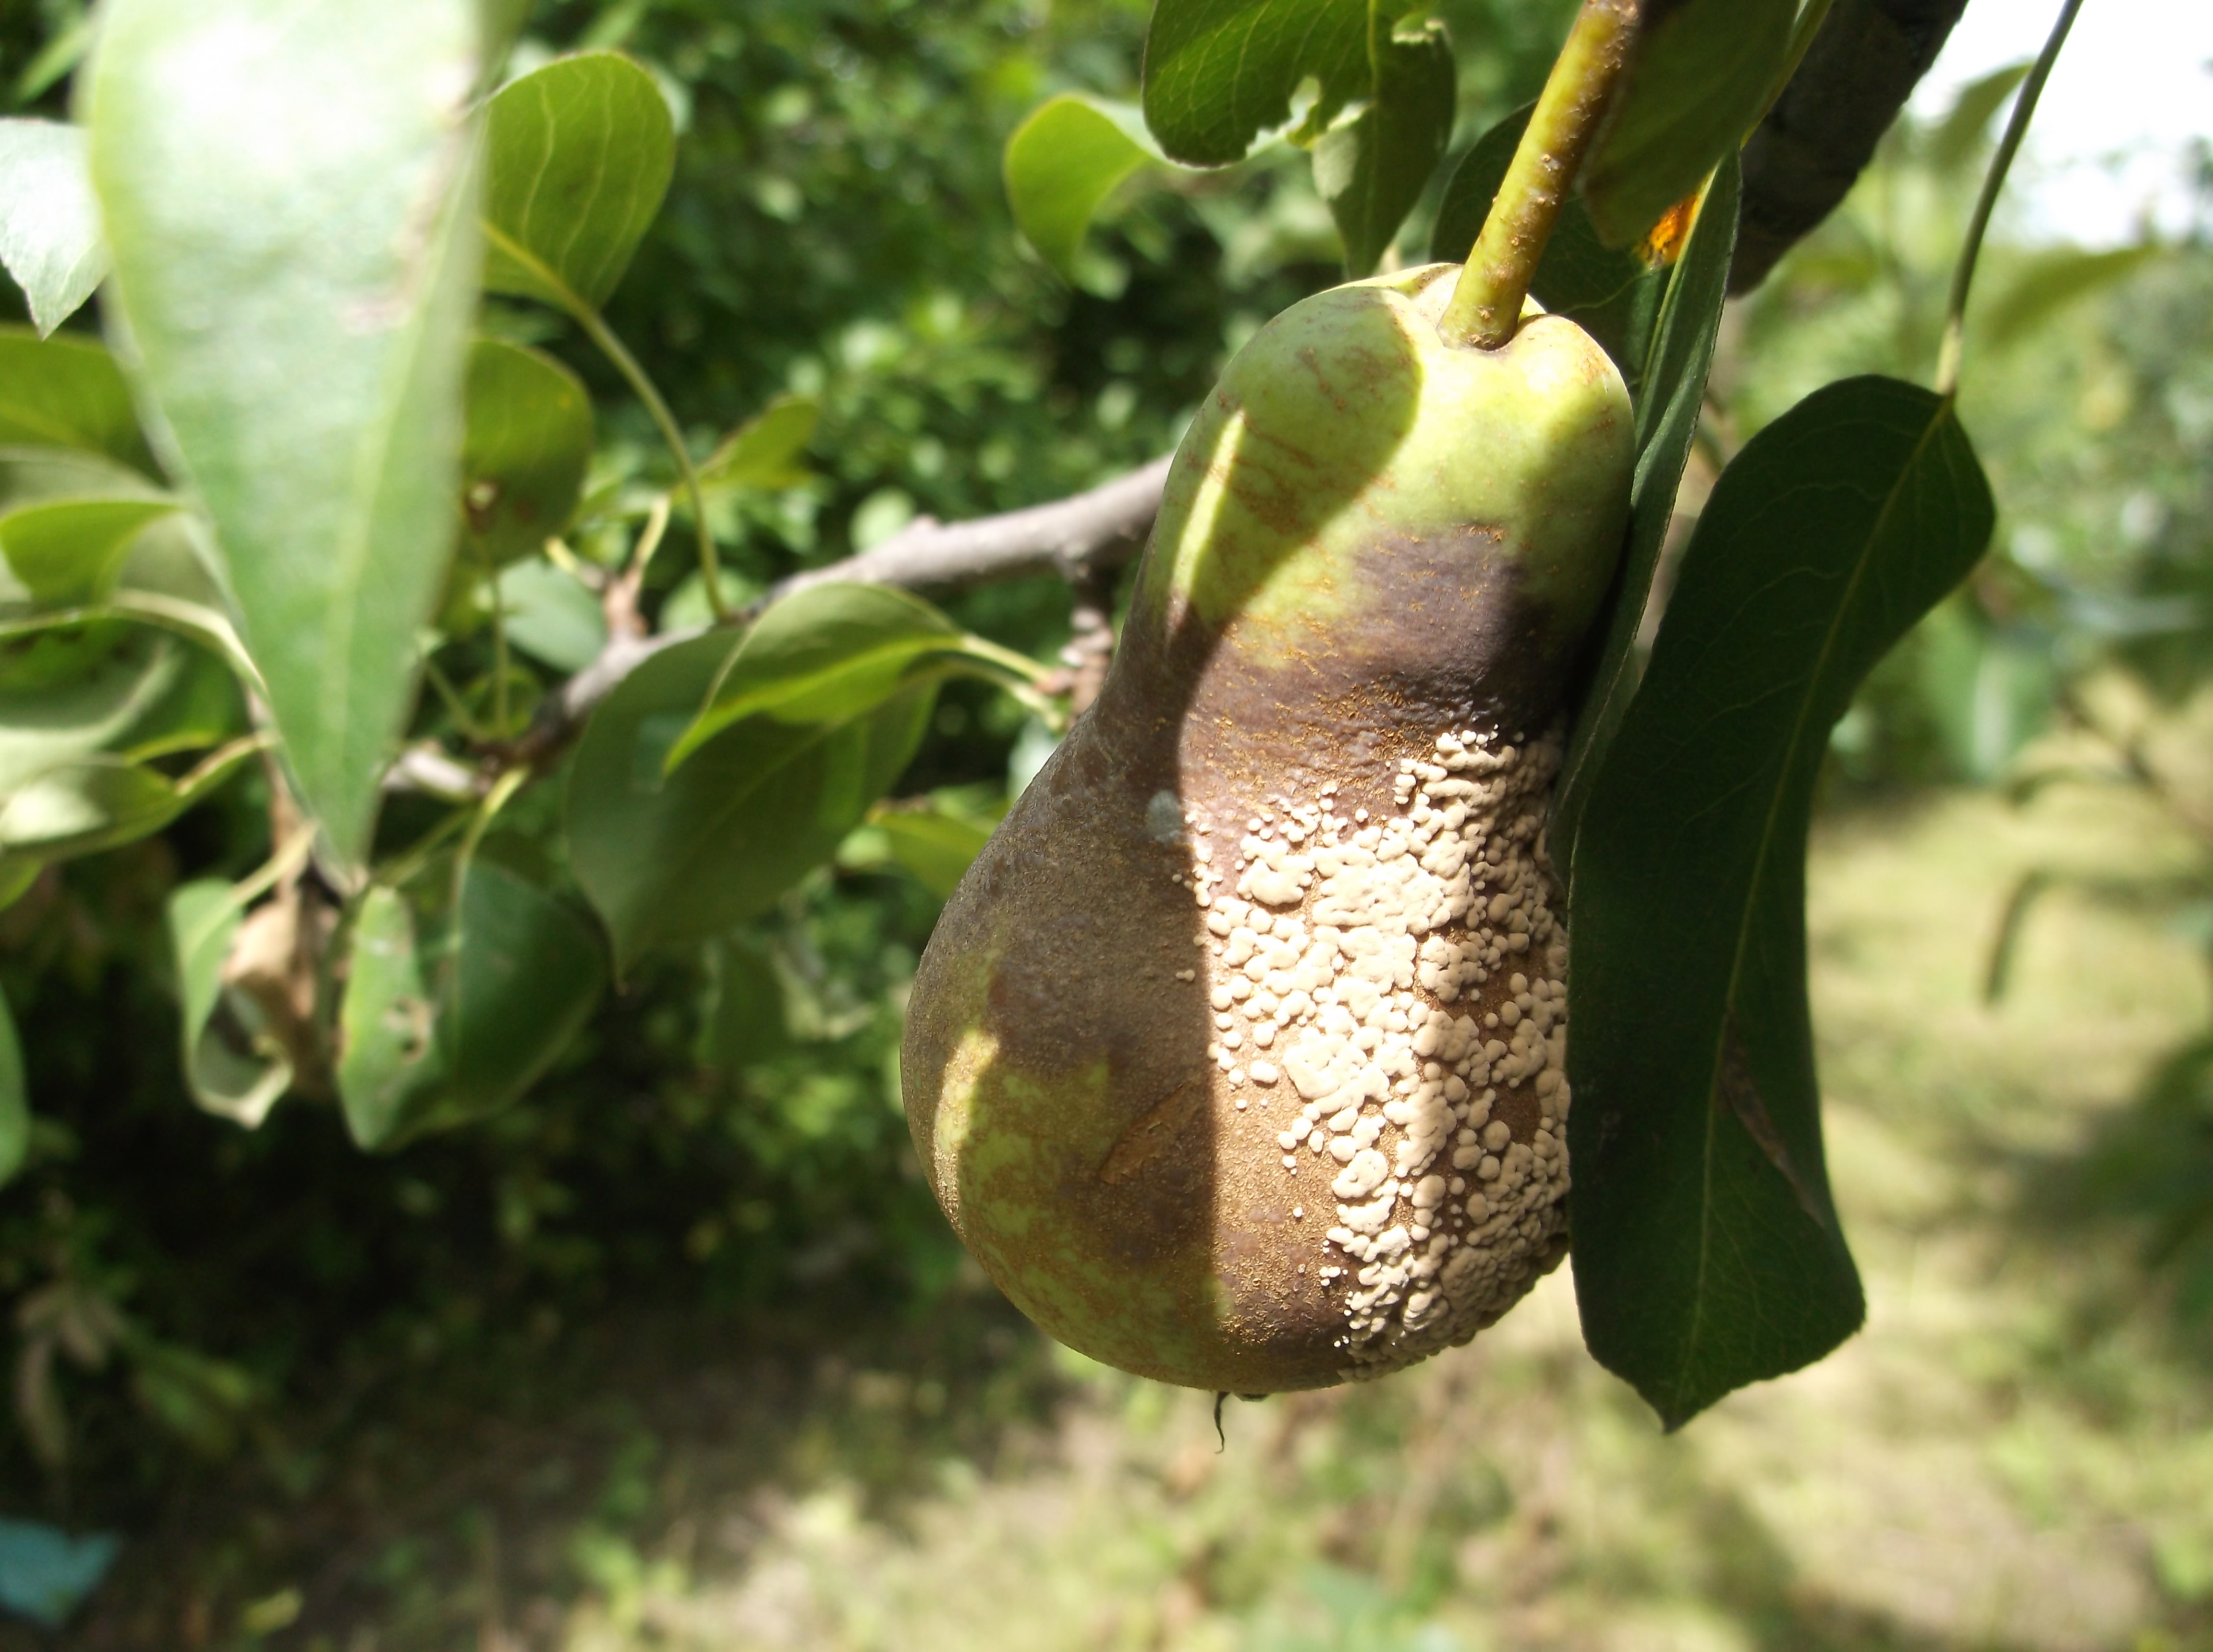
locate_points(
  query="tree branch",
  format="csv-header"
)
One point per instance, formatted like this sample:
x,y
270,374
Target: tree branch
x,y
1075,537
1804,157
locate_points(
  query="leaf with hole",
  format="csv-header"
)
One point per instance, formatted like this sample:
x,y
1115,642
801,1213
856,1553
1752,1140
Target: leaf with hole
x,y
578,156
1372,169
229,1072
1606,291
1708,1253
765,451
1218,73
68,393
1698,78
1672,394
834,651
49,222
449,1017
672,857
288,195
527,442
1063,162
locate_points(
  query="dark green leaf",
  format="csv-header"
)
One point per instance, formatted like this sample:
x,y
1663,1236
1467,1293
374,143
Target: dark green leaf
x,y
69,549
1062,162
764,452
49,223
1954,144
288,194
1707,1251
452,1021
1699,78
15,1100
668,858
68,393
2051,281
742,1020
527,444
1673,392
228,1072
1218,73
578,156
829,653
551,617
1373,170
1607,292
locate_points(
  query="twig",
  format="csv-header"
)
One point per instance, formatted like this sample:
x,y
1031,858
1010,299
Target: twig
x,y
1074,537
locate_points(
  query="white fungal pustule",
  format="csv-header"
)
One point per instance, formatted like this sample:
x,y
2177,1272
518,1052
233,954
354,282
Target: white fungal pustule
x,y
1407,977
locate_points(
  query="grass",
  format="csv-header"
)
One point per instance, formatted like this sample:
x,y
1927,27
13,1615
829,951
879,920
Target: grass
x,y
2016,1454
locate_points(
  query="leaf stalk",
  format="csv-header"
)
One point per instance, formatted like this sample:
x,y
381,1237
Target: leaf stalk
x,y
1963,275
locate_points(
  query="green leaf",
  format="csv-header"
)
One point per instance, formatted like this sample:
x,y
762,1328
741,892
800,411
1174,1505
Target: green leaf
x,y
49,222
15,1100
668,858
2050,281
1954,144
444,1023
1667,406
551,617
526,445
1606,291
1061,163
102,801
1707,1251
68,393
764,452
578,155
1697,79
935,844
69,549
742,1018
1374,168
123,690
831,652
288,192
1218,73
229,1073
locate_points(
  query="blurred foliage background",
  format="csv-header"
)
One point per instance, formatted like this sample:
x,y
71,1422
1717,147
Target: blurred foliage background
x,y
199,1306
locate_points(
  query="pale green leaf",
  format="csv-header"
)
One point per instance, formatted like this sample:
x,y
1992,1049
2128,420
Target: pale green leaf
x,y
1060,166
578,155
551,617
287,192
69,549
228,1072
68,393
764,452
49,222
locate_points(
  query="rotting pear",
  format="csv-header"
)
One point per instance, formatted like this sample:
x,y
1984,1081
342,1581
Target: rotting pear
x,y
1237,1058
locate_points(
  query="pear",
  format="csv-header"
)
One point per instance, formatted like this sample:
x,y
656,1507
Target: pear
x,y
1235,1060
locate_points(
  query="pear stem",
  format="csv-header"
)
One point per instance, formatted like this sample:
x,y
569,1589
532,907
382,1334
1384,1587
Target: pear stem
x,y
1486,304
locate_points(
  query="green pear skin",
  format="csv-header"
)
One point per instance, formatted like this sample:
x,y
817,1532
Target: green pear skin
x,y
1237,1058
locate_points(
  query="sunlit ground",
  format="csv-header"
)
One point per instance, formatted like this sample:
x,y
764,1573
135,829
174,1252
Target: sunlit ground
x,y
2014,1453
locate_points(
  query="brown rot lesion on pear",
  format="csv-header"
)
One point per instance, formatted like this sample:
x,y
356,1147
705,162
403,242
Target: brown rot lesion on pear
x,y
1237,1059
